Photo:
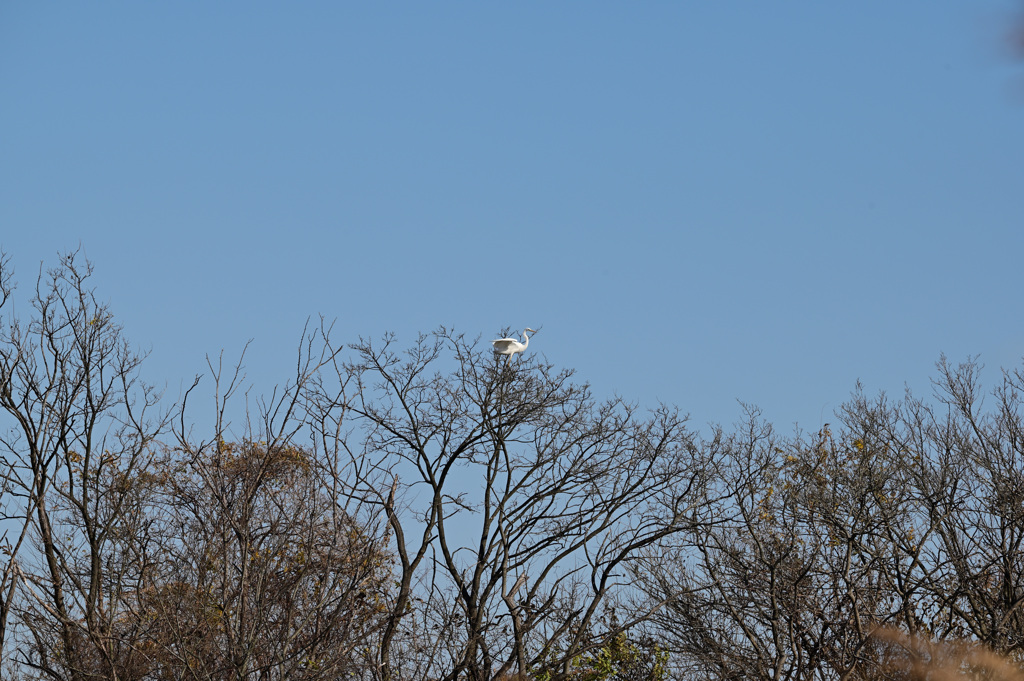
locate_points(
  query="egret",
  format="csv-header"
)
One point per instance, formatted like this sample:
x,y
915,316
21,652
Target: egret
x,y
511,346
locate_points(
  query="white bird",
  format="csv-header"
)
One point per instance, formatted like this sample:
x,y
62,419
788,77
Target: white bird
x,y
511,346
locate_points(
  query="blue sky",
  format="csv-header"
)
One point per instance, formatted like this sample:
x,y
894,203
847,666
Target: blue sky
x,y
700,202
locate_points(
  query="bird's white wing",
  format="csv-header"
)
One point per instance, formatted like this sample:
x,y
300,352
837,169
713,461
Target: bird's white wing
x,y
503,344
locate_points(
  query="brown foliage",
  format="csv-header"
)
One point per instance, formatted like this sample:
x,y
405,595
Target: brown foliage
x,y
921,658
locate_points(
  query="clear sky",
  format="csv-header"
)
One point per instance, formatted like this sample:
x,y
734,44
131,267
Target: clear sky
x,y
701,202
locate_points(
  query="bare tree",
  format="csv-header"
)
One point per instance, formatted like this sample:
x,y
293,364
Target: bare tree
x,y
741,591
264,572
908,515
976,502
15,510
515,501
79,425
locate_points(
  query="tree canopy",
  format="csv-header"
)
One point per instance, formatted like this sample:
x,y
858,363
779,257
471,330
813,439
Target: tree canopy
x,y
433,511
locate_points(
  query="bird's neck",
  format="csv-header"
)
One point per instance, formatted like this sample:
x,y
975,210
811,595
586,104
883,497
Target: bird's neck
x,y
526,339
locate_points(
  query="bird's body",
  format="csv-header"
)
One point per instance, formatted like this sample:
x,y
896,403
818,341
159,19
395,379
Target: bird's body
x,y
511,346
